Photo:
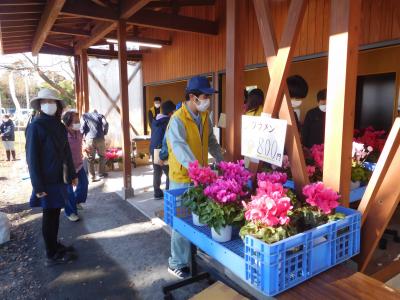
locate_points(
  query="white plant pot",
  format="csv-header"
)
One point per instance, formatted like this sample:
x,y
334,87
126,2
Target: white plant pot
x,y
354,185
225,236
196,220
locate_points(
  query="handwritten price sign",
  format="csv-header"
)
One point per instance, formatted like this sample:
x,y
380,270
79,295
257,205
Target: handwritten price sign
x,y
263,138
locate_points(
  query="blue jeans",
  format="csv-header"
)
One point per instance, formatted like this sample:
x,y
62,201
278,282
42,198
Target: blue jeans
x,y
180,247
77,196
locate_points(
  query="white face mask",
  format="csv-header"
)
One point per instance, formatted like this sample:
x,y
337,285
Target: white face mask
x,y
49,108
204,104
157,105
322,107
296,103
76,126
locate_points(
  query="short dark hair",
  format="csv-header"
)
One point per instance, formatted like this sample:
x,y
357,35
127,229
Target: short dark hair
x,y
297,86
68,117
197,93
6,116
321,95
255,98
167,107
157,98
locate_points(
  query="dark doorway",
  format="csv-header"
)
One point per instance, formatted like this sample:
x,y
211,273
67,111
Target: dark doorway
x,y
375,101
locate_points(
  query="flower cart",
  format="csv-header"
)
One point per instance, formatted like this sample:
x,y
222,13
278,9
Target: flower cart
x,y
277,241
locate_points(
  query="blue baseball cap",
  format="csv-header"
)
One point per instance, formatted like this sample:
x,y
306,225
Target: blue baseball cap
x,y
200,83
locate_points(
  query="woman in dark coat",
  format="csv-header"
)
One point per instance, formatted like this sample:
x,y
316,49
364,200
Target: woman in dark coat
x,y
8,137
51,168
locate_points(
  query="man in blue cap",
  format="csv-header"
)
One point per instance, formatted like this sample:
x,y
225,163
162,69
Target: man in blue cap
x,y
189,137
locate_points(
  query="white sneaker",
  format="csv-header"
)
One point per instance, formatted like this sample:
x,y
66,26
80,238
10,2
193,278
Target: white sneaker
x,y
79,206
73,217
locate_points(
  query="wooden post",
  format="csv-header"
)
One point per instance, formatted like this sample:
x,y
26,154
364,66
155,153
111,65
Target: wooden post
x,y
77,83
342,76
85,81
234,79
123,81
381,198
293,144
215,83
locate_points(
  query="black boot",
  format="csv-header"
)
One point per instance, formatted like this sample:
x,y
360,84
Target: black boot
x,y
13,154
8,153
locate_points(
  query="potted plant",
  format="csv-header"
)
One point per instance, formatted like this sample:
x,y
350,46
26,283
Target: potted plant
x,y
359,173
194,198
223,207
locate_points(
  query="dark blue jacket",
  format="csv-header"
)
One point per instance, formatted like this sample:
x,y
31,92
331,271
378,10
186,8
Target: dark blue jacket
x,y
7,129
47,149
158,129
94,125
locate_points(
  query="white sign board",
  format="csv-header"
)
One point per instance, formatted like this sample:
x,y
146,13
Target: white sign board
x,y
263,138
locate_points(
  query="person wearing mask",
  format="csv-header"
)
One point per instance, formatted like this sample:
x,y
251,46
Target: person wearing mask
x,y
189,138
51,168
313,131
79,195
298,90
157,135
255,102
8,137
154,111
94,128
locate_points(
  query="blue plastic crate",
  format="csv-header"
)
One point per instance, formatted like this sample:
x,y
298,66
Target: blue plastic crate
x,y
173,205
275,268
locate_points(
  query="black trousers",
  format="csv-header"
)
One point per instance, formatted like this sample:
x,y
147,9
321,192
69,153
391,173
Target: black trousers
x,y
50,225
158,171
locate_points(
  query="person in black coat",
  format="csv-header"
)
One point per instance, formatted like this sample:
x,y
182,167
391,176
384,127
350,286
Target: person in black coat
x,y
51,168
8,136
313,132
159,126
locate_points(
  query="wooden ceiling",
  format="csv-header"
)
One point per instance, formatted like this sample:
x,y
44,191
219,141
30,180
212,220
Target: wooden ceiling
x,y
65,27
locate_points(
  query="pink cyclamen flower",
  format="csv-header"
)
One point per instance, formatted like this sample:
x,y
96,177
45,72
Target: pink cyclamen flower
x,y
320,196
317,153
310,170
201,175
274,177
269,210
224,191
235,171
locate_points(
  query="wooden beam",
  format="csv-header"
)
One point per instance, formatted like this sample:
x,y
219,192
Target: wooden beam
x,y
21,2
97,33
137,39
28,34
90,10
293,145
49,16
16,24
129,7
56,44
148,18
283,59
69,31
16,9
85,81
180,3
49,49
21,17
234,78
77,83
123,79
341,94
104,28
18,29
387,272
382,198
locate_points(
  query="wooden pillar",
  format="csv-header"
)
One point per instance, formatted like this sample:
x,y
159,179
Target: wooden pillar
x,y
215,108
85,81
234,79
123,81
77,83
342,76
